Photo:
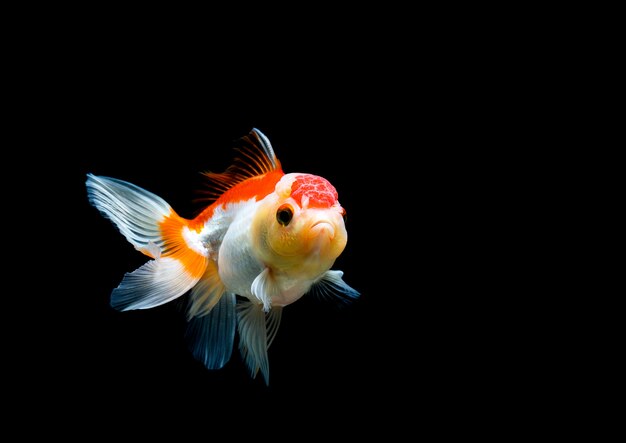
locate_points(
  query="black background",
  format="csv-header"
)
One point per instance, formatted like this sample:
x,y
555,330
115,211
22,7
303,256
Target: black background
x,y
412,333
408,143
321,350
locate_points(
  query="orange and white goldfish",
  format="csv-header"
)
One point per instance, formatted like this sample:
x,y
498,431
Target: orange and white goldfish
x,y
266,239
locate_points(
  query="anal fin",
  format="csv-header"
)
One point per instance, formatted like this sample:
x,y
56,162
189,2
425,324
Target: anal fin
x,y
205,295
253,336
211,336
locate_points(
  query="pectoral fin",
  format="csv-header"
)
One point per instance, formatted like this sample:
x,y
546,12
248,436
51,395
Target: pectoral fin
x,y
263,288
331,286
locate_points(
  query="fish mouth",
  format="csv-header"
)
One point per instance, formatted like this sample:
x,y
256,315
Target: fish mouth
x,y
323,226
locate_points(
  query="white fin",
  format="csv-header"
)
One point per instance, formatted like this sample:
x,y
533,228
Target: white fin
x,y
211,336
135,211
332,286
273,322
153,250
153,284
253,338
263,288
206,293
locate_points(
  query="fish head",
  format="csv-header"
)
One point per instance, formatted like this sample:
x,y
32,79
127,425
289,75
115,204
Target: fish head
x,y
301,225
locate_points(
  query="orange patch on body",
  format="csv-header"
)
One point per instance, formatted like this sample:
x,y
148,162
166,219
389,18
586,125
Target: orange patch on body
x,y
176,246
256,187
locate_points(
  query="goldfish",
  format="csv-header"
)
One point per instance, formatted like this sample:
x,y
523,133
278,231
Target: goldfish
x,y
265,239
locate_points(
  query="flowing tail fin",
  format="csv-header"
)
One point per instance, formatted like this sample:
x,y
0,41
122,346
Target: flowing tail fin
x,y
153,228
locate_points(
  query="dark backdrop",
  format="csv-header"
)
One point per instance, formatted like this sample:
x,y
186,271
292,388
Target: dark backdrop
x,y
407,155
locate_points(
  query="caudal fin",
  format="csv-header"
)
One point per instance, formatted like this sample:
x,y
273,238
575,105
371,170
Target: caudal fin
x,y
153,228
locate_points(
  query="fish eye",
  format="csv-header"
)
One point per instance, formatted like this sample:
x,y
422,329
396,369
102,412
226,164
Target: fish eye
x,y
284,215
344,214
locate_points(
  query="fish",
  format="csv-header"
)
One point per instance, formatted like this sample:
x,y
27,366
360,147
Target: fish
x,y
265,239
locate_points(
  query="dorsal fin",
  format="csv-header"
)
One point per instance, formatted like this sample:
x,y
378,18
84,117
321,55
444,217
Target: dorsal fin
x,y
255,157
